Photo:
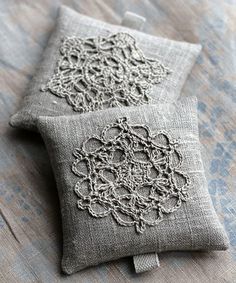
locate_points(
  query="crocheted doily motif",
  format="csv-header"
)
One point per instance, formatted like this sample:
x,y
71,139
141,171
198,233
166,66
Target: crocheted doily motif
x,y
102,72
131,174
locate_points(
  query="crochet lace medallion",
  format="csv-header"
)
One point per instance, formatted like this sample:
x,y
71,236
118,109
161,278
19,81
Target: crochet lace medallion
x,y
102,72
131,174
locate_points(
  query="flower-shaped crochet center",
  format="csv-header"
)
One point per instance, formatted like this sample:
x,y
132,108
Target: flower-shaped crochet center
x,y
131,174
102,72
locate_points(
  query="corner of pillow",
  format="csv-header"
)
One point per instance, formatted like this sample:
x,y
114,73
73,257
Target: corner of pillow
x,y
218,238
14,121
221,239
226,243
195,48
64,9
66,266
66,12
22,121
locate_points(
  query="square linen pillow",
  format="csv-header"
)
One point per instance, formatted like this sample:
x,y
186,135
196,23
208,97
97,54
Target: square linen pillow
x,y
91,65
130,182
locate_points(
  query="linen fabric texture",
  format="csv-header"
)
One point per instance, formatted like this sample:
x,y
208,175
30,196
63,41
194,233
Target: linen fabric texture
x,y
145,262
179,57
89,240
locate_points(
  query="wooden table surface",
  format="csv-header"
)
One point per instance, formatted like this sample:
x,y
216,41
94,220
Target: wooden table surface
x,y
30,228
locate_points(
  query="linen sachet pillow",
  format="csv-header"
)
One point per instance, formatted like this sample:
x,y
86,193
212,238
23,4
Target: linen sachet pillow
x,y
130,182
91,65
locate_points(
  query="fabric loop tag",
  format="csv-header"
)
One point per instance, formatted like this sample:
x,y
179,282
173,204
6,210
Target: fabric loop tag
x,y
134,21
145,262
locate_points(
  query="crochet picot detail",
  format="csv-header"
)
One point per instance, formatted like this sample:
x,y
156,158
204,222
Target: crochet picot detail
x,y
131,174
102,72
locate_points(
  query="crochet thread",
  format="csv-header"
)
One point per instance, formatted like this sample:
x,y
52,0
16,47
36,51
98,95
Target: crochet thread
x,y
130,173
102,72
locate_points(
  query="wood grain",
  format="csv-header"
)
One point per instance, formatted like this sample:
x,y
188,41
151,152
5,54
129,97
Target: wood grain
x,y
30,228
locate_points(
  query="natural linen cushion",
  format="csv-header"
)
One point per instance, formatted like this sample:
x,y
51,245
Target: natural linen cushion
x,y
90,65
130,181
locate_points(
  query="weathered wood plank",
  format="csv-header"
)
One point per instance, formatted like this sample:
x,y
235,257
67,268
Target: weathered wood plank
x,y
30,233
